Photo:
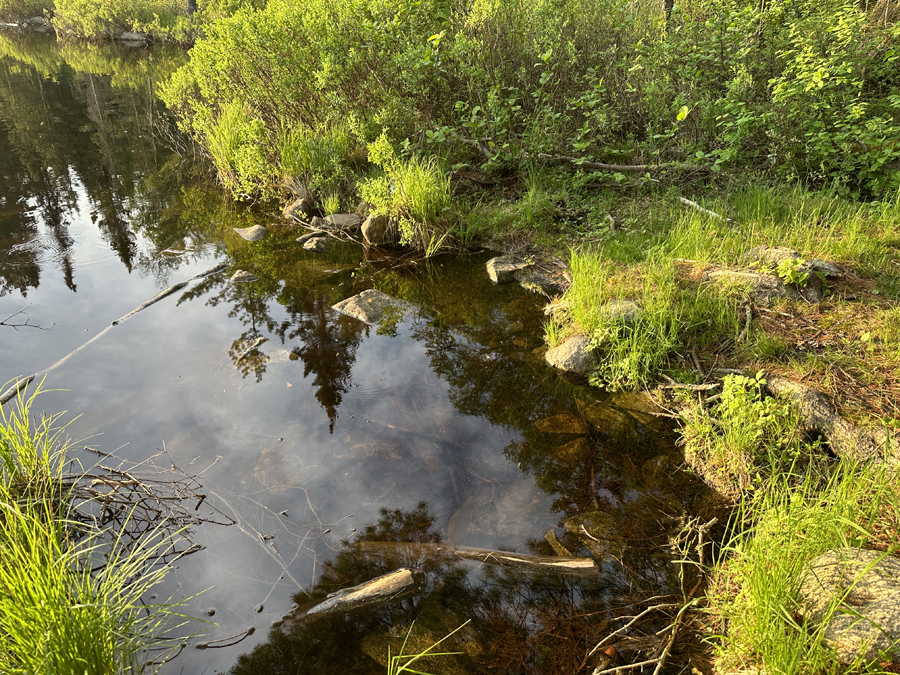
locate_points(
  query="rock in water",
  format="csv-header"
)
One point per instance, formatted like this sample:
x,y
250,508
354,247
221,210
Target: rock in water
x,y
371,306
866,587
241,277
502,269
573,356
316,244
253,233
343,221
379,231
300,209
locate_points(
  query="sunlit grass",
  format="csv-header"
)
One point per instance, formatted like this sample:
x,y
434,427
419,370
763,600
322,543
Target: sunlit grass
x,y
777,531
71,595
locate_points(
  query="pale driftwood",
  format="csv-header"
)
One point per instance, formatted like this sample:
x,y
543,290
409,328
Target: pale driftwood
x,y
397,585
531,563
695,205
15,389
154,299
622,167
691,387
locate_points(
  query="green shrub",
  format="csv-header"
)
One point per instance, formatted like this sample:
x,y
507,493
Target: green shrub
x,y
17,10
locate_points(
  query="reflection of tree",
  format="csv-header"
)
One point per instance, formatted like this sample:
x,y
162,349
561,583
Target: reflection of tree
x,y
520,622
74,120
325,342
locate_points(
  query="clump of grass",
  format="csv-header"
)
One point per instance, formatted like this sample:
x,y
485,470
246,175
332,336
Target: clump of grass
x,y
414,191
402,663
777,531
70,595
234,139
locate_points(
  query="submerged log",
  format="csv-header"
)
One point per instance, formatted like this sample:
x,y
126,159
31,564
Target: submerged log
x,y
528,563
154,299
397,585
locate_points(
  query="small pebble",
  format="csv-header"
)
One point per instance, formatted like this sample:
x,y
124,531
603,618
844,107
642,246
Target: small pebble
x,y
259,608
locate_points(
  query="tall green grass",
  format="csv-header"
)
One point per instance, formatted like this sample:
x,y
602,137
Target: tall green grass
x,y
71,595
777,531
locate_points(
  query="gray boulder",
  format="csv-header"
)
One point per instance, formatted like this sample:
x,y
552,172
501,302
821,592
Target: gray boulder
x,y
621,311
863,587
253,233
132,37
380,231
311,235
343,222
573,356
766,288
776,255
537,282
502,269
371,306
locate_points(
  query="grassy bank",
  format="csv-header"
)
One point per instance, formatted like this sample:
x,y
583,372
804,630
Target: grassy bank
x,y
71,589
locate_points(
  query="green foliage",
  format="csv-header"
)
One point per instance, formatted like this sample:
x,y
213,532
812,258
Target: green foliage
x,y
414,191
17,10
71,598
236,142
793,271
165,20
743,438
755,590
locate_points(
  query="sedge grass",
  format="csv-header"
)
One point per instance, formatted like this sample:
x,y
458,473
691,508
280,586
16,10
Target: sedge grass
x,y
777,531
402,663
71,595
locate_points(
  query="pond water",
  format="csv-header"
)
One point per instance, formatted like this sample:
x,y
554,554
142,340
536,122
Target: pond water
x,y
333,446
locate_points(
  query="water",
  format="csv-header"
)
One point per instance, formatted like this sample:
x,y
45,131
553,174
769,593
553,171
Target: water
x,y
333,444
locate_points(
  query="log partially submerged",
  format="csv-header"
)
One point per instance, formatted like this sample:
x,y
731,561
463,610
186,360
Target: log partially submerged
x,y
529,563
15,389
397,585
154,299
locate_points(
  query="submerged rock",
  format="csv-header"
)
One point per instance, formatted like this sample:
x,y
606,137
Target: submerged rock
x,y
866,587
132,37
253,233
372,306
502,269
537,282
380,231
316,244
564,423
242,277
573,356
311,235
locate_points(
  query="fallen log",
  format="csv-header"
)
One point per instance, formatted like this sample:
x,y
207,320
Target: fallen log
x,y
397,585
154,299
819,416
529,563
15,389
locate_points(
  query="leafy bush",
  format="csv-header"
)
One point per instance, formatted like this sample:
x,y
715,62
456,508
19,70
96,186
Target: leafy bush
x,y
742,437
17,10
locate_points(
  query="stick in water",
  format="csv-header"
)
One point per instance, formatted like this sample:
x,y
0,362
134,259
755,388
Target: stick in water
x,y
155,298
15,389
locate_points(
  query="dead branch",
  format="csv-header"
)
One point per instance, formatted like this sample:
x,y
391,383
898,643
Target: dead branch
x,y
695,205
17,326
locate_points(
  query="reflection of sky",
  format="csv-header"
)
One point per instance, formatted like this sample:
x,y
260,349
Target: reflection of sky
x,y
264,450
